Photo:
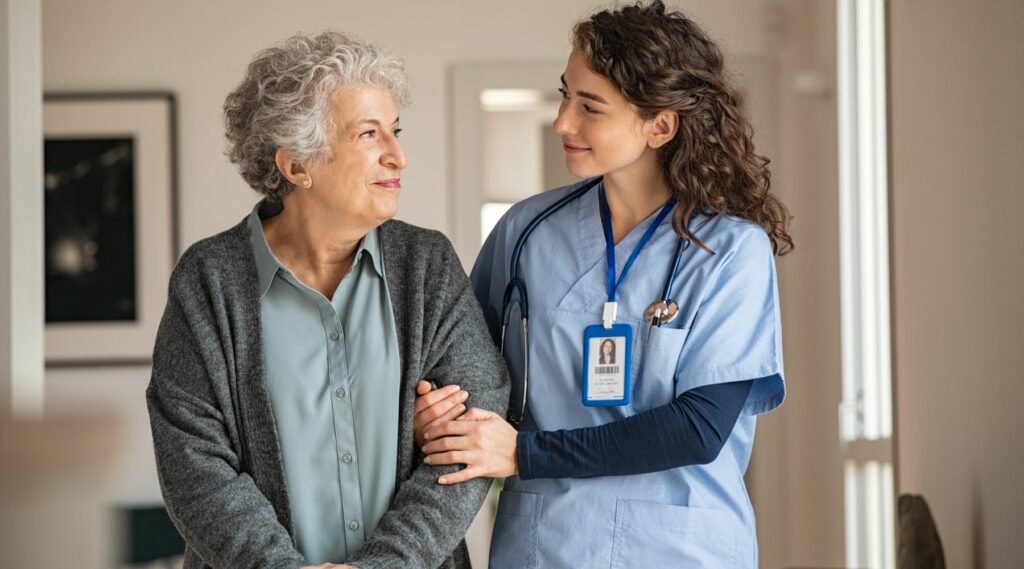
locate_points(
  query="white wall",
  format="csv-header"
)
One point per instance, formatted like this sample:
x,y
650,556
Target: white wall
x,y
957,82
199,50
21,210
796,471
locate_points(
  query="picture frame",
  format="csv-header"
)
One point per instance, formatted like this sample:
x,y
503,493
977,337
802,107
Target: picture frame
x,y
111,187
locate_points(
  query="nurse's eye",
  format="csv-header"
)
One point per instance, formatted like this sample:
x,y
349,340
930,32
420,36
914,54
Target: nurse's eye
x,y
396,132
590,110
368,134
564,93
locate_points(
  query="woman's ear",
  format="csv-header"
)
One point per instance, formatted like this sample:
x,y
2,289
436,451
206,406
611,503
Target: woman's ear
x,y
662,128
292,171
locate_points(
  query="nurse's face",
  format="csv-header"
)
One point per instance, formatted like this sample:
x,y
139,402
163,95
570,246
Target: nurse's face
x,y
363,179
601,131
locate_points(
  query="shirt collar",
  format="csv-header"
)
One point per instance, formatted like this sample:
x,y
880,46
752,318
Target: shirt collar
x,y
267,264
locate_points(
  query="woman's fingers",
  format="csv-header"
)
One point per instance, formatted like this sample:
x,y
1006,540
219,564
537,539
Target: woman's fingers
x,y
437,406
423,387
451,415
445,444
442,429
433,397
450,457
435,411
477,414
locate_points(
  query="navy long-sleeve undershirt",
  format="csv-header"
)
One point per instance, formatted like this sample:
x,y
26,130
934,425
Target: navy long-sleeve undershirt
x,y
690,430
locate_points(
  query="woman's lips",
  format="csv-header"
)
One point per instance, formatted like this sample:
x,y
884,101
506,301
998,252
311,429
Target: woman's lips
x,y
393,183
569,148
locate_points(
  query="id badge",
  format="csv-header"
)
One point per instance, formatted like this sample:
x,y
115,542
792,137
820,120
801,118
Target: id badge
x,y
607,354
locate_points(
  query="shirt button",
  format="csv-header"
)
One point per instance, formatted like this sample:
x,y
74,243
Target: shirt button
x,y
347,459
334,336
353,525
339,393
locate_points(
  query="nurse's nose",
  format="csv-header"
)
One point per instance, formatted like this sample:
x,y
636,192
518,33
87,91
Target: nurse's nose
x,y
564,124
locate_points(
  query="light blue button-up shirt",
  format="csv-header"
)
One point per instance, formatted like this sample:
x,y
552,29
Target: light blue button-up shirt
x,y
333,378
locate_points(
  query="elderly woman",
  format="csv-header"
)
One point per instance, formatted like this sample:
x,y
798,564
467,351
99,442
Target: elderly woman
x,y
285,368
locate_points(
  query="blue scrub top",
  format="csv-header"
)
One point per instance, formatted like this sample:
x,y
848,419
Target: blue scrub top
x,y
727,329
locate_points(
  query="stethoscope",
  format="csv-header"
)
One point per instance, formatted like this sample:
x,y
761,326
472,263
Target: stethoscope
x,y
660,312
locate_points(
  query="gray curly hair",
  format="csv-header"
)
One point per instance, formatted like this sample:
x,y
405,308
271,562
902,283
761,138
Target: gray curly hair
x,y
284,102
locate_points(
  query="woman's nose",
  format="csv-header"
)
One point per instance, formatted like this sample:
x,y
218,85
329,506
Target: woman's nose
x,y
394,157
563,122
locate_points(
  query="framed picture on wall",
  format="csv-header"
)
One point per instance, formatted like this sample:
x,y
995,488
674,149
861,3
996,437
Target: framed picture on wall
x,y
110,187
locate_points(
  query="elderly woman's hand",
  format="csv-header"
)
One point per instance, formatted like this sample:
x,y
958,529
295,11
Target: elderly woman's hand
x,y
435,407
480,439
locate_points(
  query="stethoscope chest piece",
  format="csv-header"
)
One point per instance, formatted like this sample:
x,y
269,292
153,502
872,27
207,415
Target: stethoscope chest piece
x,y
661,312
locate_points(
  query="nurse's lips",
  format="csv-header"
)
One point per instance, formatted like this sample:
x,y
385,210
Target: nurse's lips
x,y
391,183
569,148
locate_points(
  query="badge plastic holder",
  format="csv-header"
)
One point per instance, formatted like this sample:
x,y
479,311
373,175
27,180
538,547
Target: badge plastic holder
x,y
609,393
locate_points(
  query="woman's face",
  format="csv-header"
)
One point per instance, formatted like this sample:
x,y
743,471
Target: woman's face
x,y
607,348
601,131
363,179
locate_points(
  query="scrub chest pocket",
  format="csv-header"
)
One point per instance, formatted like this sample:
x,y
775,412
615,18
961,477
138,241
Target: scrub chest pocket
x,y
656,359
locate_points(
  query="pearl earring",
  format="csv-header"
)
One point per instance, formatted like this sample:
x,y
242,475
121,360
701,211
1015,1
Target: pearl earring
x,y
307,183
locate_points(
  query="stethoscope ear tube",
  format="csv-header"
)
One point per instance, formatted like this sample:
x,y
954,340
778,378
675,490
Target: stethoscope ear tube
x,y
514,285
517,284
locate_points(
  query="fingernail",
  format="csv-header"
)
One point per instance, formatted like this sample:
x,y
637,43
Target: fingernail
x,y
442,480
464,395
428,459
462,408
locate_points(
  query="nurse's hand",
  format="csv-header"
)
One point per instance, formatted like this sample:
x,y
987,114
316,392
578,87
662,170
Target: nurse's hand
x,y
480,439
435,407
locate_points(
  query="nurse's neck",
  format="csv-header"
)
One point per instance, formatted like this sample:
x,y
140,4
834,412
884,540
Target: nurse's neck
x,y
634,193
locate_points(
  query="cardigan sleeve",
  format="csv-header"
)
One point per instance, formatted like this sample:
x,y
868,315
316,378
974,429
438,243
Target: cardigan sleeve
x,y
428,520
217,508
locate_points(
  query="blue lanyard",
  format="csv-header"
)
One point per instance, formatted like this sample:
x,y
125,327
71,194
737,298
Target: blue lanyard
x,y
609,241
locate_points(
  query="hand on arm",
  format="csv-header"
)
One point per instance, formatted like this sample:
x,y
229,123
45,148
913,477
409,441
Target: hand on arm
x,y
690,430
482,440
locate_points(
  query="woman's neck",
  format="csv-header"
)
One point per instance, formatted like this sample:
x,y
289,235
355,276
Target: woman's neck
x,y
317,246
633,194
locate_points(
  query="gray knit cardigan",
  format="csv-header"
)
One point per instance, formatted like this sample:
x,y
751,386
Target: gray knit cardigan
x,y
217,449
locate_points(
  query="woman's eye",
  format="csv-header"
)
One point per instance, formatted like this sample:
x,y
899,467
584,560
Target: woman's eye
x,y
396,132
368,134
590,110
564,93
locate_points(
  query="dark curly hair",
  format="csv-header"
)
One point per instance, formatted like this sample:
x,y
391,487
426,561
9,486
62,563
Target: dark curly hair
x,y
662,60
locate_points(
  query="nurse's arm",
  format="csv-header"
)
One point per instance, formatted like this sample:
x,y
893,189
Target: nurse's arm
x,y
690,430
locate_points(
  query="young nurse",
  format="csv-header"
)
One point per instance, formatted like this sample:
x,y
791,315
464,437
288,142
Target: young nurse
x,y
663,256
